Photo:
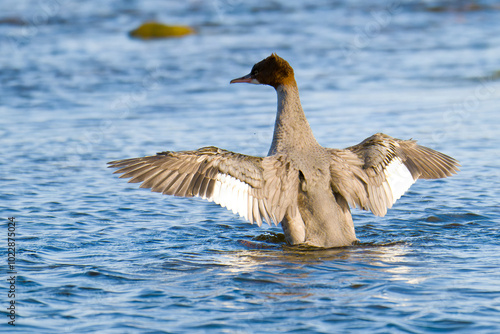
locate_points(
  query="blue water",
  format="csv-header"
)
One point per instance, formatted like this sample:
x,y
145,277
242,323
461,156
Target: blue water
x,y
98,255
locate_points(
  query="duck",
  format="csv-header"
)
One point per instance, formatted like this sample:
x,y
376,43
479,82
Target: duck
x,y
307,188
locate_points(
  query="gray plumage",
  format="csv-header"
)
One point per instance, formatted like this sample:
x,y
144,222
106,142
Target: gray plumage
x,y
307,188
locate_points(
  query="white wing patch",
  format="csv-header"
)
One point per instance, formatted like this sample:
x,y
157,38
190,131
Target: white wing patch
x,y
398,178
234,195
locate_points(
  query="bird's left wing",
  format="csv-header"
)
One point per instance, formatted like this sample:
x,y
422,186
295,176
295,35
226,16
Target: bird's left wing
x,y
232,180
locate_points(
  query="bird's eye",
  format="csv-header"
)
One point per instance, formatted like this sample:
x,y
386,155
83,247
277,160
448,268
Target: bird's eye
x,y
255,73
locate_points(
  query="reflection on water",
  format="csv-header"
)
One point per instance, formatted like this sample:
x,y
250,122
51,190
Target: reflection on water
x,y
292,266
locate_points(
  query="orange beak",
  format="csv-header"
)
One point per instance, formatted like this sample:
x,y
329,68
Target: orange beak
x,y
247,78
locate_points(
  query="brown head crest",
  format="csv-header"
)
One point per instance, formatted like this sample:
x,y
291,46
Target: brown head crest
x,y
273,71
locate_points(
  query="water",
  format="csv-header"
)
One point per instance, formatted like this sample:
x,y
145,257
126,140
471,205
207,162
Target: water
x,y
98,255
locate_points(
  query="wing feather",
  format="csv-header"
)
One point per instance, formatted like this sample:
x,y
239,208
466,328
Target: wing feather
x,y
377,172
255,188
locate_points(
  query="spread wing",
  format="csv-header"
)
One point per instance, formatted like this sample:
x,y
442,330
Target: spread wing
x,y
375,173
253,187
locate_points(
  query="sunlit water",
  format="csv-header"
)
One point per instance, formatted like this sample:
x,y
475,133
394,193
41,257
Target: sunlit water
x,y
98,255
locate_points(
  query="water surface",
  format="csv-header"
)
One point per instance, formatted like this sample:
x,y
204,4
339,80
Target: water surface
x,y
98,255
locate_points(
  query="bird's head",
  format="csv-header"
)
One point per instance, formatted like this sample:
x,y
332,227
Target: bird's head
x,y
273,71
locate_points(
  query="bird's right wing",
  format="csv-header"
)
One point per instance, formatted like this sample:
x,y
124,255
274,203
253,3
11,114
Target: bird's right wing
x,y
377,172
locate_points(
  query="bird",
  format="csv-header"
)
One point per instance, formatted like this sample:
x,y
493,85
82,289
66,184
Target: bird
x,y
307,188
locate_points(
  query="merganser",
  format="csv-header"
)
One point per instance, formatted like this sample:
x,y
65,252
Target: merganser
x,y
306,187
